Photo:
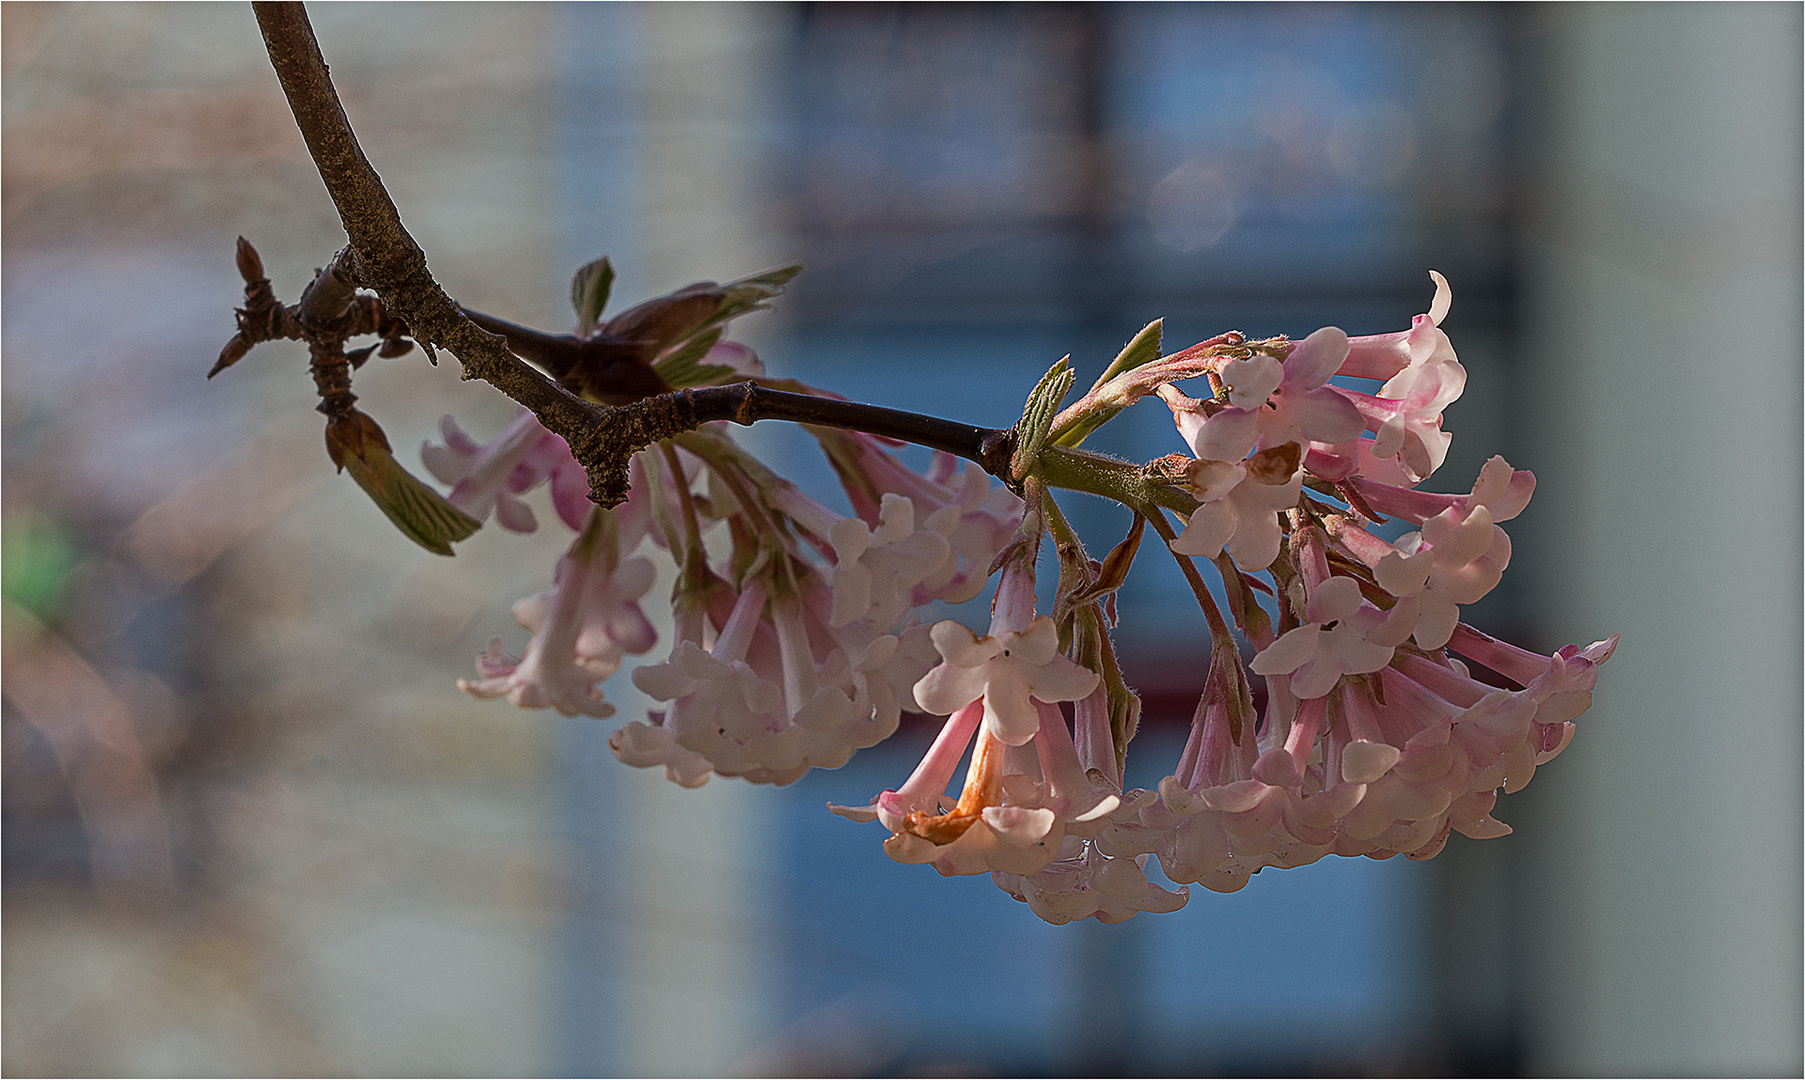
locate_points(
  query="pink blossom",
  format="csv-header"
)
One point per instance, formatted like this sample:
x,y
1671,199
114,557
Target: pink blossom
x,y
957,502
1457,556
644,745
741,717
1017,661
795,645
1345,635
492,475
1381,356
581,630
1405,416
1422,378
1504,493
1450,562
1017,806
1084,883
1026,787
1226,815
1273,403
987,834
1387,765
874,568
982,518
780,691
1239,513
925,789
807,702
811,663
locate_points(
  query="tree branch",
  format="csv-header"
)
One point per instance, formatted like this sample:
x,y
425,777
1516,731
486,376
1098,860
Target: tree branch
x,y
749,402
388,259
384,257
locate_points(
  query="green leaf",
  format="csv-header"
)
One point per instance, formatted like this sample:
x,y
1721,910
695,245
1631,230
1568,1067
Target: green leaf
x,y
1037,415
1141,350
681,363
422,514
749,294
771,281
682,367
589,290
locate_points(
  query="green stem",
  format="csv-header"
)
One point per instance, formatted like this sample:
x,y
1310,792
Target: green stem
x,y
1218,627
1122,481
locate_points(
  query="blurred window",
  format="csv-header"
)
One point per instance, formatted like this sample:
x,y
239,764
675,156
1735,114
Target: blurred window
x,y
977,190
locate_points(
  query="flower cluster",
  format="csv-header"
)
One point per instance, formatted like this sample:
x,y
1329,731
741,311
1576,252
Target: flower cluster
x,y
1376,737
794,644
1037,794
798,648
1385,723
1347,709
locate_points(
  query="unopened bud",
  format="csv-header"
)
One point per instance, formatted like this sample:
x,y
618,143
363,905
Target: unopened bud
x,y
250,266
234,351
354,434
357,445
667,318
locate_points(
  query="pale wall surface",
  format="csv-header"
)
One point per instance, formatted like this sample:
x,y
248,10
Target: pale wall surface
x,y
1664,358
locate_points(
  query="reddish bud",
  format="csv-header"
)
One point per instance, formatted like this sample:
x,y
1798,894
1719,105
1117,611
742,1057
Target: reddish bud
x,y
667,318
250,266
231,354
354,434
1276,465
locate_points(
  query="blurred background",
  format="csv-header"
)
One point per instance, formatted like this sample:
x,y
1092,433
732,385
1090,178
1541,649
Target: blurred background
x,y
251,827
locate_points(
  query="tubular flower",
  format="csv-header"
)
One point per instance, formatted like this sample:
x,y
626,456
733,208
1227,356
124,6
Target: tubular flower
x,y
984,830
1026,787
1240,506
1365,747
1448,563
1272,403
1082,881
833,639
581,629
812,655
1008,670
958,503
492,476
1379,767
1018,805
1422,377
775,695
1502,491
1343,634
874,568
1457,556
